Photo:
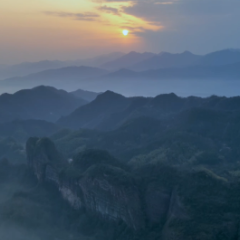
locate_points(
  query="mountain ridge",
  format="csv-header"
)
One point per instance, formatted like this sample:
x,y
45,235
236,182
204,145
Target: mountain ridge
x,y
109,110
30,104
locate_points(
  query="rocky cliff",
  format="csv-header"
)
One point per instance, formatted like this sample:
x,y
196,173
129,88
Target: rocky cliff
x,y
152,201
96,182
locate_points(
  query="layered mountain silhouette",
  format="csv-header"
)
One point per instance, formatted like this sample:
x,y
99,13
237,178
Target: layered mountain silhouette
x,y
221,65
231,71
148,61
27,68
110,110
127,60
54,77
43,103
219,58
166,168
84,76
86,95
167,60
95,112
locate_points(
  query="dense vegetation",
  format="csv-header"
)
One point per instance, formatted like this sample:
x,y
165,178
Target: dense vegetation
x,y
181,155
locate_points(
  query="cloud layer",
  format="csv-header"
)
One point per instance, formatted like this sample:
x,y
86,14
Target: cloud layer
x,y
87,16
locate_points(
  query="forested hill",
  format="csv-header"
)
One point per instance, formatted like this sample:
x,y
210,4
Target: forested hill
x,y
110,110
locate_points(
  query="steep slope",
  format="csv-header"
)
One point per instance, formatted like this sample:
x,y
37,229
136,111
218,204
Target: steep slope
x,y
92,181
43,103
178,131
94,113
31,211
151,199
109,110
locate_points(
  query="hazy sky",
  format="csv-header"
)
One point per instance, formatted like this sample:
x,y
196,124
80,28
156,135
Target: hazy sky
x,y
32,30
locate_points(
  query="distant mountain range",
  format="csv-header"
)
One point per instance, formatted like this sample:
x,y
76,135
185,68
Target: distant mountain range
x,y
148,61
167,60
230,71
27,68
60,78
127,60
223,64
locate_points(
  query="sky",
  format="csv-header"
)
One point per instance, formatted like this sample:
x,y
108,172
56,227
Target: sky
x,y
34,30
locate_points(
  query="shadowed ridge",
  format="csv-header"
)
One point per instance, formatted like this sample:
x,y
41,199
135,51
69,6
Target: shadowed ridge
x,y
41,103
92,114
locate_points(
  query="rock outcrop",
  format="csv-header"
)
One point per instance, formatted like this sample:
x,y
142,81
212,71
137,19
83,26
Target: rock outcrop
x,y
96,182
105,190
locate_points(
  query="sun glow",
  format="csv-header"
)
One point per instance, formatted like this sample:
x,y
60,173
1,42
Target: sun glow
x,y
125,32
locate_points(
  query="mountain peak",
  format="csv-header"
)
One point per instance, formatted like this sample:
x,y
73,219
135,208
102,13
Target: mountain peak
x,y
127,60
167,96
187,53
133,53
109,95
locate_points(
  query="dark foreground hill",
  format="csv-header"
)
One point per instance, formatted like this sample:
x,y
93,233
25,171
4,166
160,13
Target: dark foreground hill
x,y
42,103
96,111
149,201
110,110
167,168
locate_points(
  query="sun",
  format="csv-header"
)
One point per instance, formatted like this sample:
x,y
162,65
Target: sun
x,y
125,32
